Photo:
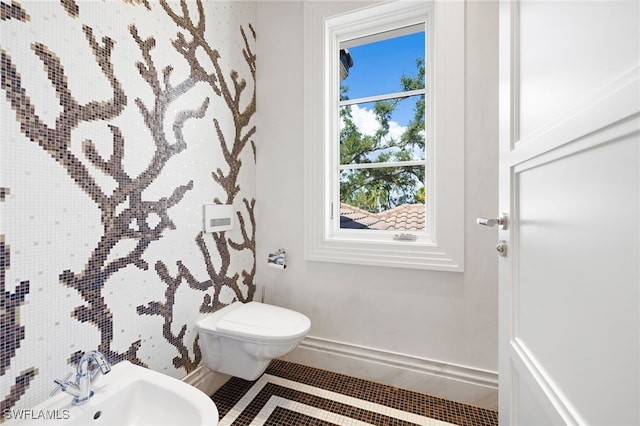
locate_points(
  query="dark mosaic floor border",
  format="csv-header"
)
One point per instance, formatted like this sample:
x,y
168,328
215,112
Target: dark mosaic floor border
x,y
417,403
282,416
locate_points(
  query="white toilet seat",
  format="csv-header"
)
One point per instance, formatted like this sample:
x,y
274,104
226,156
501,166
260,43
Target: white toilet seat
x,y
258,322
241,339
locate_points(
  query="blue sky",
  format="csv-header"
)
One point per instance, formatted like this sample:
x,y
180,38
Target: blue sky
x,y
378,66
377,69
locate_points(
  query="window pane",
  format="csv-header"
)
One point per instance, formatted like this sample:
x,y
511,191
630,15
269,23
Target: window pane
x,y
382,131
387,66
388,198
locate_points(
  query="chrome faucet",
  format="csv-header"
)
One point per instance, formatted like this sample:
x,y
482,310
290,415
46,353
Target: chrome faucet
x,y
80,389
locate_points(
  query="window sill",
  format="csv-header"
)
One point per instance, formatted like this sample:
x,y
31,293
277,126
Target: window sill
x,y
445,252
409,254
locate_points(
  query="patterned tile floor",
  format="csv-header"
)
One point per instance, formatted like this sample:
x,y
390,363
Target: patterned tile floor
x,y
294,395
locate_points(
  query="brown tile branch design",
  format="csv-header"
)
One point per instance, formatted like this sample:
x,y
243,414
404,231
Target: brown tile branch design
x,y
13,11
218,279
233,96
241,119
12,330
17,390
248,243
56,141
124,213
145,3
72,8
165,310
188,43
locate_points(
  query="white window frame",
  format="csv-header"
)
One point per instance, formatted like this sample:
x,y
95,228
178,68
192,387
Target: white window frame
x,y
327,24
390,26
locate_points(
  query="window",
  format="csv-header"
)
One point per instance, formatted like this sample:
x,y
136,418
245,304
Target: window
x,y
384,134
382,162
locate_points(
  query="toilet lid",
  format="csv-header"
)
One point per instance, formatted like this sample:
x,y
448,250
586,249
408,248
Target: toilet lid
x,y
259,321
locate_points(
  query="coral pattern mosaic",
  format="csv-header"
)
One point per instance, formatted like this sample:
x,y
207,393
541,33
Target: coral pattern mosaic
x,y
120,119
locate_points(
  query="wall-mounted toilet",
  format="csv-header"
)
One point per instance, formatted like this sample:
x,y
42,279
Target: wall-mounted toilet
x,y
241,339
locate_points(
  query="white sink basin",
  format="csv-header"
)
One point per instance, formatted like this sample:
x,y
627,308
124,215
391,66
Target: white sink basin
x,y
131,395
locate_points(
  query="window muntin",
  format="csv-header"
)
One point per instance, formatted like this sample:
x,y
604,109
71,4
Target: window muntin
x,y
383,205
330,26
382,159
382,59
360,127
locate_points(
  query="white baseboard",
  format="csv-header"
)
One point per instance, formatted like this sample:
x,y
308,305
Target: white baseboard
x,y
455,382
206,380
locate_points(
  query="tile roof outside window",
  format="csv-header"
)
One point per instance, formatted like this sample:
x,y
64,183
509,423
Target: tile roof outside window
x,y
406,217
332,233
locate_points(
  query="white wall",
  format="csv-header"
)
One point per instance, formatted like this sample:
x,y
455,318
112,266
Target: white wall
x,y
426,330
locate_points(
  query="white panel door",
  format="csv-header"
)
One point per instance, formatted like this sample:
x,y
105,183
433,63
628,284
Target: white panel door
x,y
570,184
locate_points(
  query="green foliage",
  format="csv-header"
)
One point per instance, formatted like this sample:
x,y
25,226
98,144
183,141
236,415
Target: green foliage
x,y
381,188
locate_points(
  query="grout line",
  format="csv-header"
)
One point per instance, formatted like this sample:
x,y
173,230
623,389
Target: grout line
x,y
237,409
307,410
240,406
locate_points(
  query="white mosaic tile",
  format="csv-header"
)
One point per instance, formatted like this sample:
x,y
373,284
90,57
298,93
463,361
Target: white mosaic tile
x,y
52,217
276,401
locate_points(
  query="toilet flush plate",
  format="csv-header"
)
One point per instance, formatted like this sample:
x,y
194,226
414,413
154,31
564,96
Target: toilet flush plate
x,y
217,217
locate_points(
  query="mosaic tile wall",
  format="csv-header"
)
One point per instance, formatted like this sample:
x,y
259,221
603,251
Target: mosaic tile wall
x,y
120,119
